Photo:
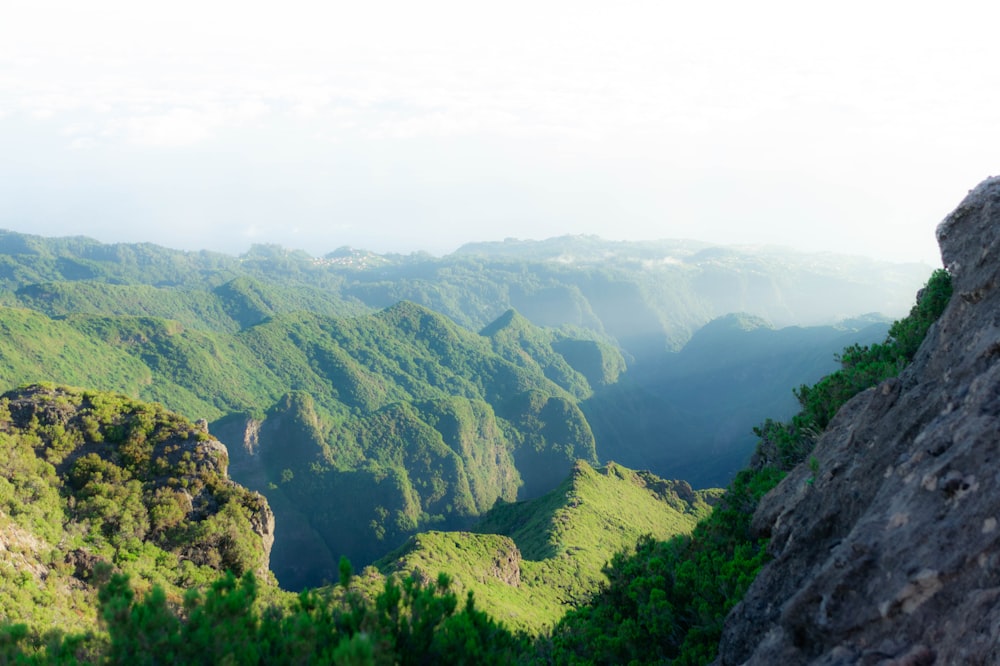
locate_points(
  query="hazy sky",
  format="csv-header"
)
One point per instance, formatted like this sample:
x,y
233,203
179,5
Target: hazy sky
x,y
400,126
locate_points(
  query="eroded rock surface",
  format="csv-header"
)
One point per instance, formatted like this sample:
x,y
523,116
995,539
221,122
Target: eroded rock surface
x,y
892,554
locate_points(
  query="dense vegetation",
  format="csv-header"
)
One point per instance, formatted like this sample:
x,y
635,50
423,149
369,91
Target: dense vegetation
x,y
411,623
333,399
410,419
129,467
310,405
311,389
528,561
415,421
95,483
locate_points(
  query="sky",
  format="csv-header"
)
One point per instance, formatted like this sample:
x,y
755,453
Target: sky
x,y
419,126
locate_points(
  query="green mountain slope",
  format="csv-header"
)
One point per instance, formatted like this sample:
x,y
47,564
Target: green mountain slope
x,y
197,371
412,420
577,364
690,414
34,348
406,417
528,561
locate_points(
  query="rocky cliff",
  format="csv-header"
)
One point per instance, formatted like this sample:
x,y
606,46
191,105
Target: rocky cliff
x,y
127,475
886,548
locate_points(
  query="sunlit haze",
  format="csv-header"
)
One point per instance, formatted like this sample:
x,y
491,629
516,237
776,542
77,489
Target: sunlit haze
x,y
402,126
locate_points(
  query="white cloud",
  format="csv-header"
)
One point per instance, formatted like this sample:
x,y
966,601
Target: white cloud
x,y
653,113
83,143
177,127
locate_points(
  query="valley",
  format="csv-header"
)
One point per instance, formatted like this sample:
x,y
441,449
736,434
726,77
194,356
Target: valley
x,y
516,415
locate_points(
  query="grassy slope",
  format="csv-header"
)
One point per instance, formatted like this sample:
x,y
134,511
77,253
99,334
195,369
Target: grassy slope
x,y
34,348
200,374
564,537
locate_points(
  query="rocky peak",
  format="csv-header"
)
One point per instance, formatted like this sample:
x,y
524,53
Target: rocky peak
x,y
887,549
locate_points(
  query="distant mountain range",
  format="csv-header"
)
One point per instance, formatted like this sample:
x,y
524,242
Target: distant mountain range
x,y
645,296
690,414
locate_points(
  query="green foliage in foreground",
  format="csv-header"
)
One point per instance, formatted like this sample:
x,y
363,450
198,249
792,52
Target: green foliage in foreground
x,y
411,623
665,600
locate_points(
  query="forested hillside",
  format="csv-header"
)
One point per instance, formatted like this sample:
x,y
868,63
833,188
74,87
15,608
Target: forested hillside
x,y
315,410
414,418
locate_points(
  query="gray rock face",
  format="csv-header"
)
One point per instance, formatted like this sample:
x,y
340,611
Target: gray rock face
x,y
507,564
891,555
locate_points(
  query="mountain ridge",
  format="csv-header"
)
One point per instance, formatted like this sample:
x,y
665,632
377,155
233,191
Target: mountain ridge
x,y
644,300
527,561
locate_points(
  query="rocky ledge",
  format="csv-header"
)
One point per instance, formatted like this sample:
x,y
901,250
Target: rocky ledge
x,y
890,552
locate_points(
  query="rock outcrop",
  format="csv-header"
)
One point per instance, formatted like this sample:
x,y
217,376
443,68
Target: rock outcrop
x,y
506,564
102,446
890,552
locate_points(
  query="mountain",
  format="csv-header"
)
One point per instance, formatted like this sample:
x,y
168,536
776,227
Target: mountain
x,y
863,531
407,418
330,389
646,297
690,414
315,409
890,554
527,561
96,483
678,587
